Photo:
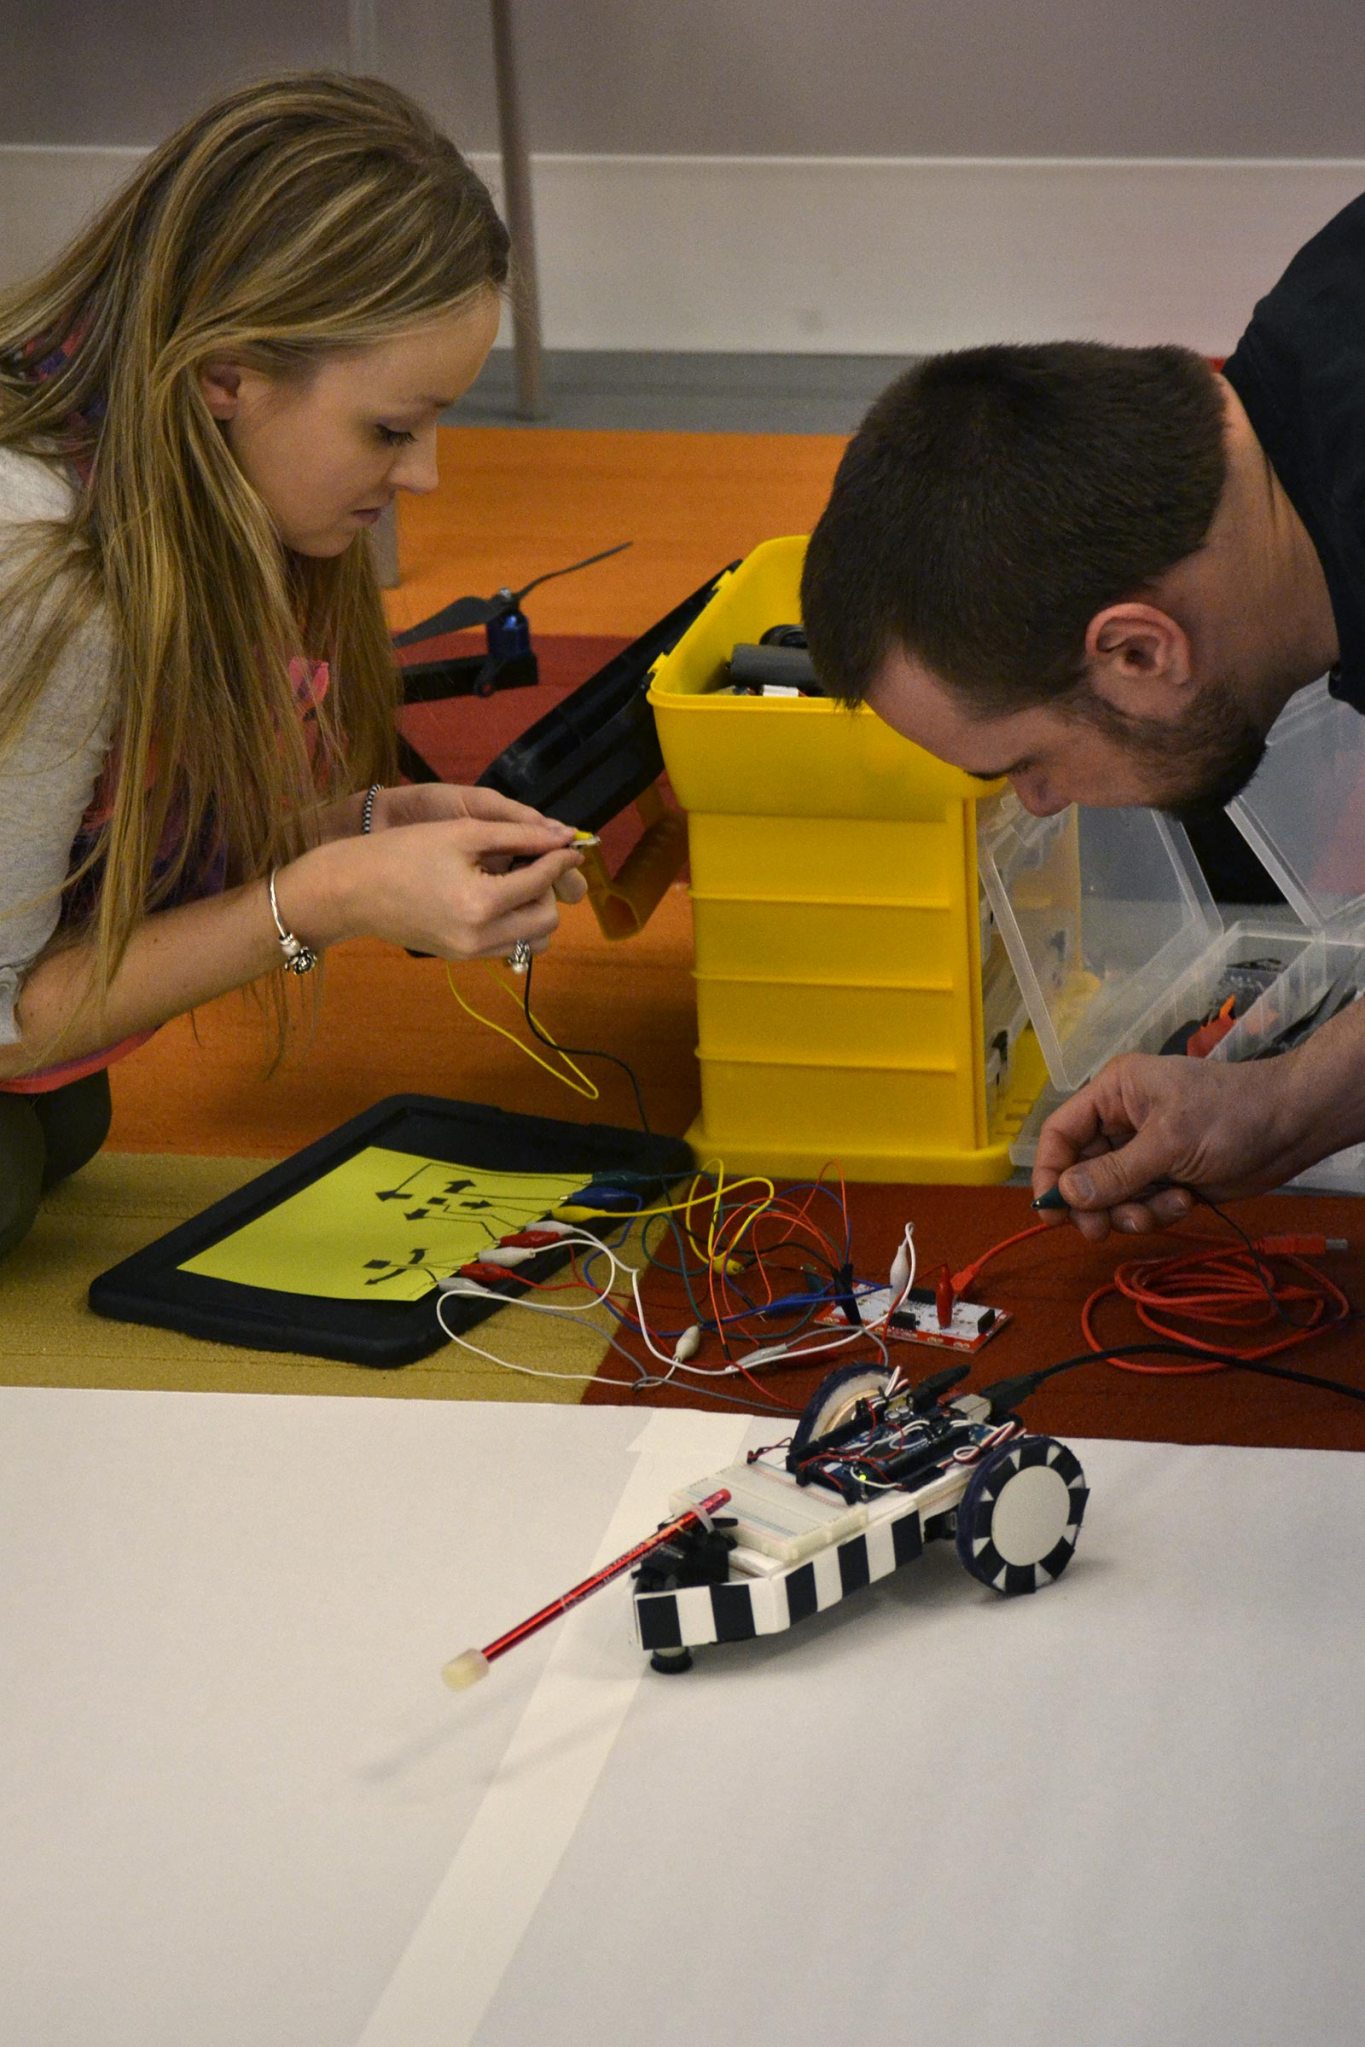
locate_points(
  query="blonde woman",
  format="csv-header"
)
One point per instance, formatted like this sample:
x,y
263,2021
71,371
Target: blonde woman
x,y
204,403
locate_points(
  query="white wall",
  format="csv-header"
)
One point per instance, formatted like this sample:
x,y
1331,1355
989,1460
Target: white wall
x,y
881,176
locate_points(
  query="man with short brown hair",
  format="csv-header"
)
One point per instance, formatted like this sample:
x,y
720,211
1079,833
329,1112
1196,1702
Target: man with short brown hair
x,y
1102,573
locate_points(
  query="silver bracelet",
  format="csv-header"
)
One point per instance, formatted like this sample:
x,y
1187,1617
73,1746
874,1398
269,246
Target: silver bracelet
x,y
298,957
367,807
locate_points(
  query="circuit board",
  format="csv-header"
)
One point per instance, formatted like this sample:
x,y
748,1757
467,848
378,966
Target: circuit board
x,y
969,1329
892,1453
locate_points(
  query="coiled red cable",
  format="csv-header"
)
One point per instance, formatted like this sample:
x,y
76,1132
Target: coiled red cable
x,y
1264,1286
1265,1282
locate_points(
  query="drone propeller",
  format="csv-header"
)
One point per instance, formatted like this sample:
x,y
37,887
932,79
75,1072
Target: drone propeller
x,y
472,611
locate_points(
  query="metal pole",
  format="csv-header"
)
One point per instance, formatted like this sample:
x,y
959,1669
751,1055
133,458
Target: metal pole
x,y
516,180
362,38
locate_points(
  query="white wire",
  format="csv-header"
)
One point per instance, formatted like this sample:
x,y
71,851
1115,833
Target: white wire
x,y
533,1372
893,1307
650,1344
764,1354
970,1453
780,1353
472,1291
539,1371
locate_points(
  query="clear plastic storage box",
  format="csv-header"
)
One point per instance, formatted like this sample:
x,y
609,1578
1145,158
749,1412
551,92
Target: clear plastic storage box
x,y
1116,941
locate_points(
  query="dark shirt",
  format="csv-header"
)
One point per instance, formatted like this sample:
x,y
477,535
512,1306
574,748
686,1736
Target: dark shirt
x,y
1299,371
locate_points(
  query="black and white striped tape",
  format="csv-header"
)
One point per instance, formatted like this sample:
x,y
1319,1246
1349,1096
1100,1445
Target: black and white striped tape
x,y
745,1607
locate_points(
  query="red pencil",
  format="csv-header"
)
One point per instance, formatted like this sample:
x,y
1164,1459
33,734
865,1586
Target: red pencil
x,y
472,1664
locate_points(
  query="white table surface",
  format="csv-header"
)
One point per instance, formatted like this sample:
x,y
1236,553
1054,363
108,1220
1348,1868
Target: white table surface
x,y
238,1808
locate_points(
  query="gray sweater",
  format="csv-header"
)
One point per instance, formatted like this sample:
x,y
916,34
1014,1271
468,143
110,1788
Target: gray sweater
x,y
49,779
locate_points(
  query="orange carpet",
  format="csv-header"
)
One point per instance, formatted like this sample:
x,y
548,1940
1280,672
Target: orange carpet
x,y
513,504
389,1025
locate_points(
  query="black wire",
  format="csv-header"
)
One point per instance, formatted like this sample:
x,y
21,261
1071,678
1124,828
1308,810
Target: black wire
x,y
1301,1378
1260,1267
700,1315
582,1051
1178,1350
1094,1357
705,1321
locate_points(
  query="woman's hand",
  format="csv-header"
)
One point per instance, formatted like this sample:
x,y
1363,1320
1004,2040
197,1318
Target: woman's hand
x,y
442,802
462,887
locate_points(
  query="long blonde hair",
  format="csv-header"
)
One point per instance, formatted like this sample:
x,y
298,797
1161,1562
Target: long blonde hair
x,y
295,219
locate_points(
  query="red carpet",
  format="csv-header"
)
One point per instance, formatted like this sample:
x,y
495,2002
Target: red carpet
x,y
460,737
1043,1284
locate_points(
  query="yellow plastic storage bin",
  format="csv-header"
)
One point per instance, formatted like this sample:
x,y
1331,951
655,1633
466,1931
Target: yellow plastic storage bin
x,y
838,922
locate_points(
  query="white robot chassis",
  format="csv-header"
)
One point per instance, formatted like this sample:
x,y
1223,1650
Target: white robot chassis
x,y
874,1471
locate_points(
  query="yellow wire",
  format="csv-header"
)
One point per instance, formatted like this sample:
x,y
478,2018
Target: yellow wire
x,y
756,1207
580,1085
697,1197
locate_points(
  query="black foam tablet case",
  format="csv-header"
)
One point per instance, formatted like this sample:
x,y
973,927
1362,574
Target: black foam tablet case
x,y
151,1287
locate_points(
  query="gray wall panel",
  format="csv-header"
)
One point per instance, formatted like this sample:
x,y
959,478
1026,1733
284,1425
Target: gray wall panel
x,y
746,77
912,77
126,72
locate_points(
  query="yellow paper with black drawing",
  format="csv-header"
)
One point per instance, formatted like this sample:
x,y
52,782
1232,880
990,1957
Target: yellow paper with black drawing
x,y
383,1225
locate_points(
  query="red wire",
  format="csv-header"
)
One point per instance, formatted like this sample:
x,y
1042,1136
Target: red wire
x,y
967,1277
1221,1290
794,1223
1228,1288
1224,1289
760,1389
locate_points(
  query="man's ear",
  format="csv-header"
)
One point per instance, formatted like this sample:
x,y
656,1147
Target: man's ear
x,y
1138,660
221,384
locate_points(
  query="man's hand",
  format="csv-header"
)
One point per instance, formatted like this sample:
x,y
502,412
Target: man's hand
x,y
1225,1129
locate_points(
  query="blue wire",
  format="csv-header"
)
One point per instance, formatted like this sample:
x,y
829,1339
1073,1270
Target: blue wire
x,y
811,1302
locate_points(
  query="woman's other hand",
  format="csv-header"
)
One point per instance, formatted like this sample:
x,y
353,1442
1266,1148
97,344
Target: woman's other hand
x,y
460,886
437,802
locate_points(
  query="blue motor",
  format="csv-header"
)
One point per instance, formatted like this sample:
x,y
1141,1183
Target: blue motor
x,y
509,635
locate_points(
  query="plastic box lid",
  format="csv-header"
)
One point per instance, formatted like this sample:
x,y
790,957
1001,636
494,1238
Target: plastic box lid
x,y
1101,911
1304,814
1107,917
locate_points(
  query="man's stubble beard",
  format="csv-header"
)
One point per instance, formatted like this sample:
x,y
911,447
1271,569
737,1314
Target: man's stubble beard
x,y
1198,766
